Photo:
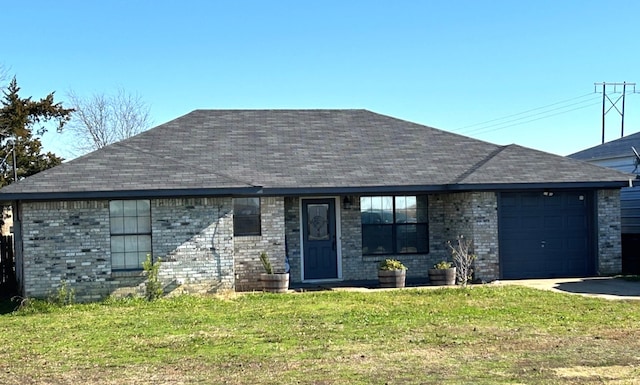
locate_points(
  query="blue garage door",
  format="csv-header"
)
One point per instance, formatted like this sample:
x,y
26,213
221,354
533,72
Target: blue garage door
x,y
546,234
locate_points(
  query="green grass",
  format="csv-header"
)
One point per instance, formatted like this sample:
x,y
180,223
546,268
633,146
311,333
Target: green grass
x,y
480,335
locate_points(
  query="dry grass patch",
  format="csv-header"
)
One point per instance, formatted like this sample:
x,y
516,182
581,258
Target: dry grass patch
x,y
626,374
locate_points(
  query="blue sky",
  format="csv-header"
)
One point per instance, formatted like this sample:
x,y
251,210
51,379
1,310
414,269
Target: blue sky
x,y
447,64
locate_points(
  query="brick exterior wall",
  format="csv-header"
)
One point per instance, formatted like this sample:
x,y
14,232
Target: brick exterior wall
x,y
70,241
609,239
292,231
247,249
67,241
473,215
194,238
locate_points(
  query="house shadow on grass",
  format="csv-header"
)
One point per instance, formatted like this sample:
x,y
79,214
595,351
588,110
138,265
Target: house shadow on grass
x,y
7,303
356,284
608,287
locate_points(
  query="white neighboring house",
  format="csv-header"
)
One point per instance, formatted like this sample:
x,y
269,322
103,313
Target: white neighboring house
x,y
619,154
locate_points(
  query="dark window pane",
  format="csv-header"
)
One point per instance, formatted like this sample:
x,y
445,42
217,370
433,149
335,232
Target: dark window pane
x,y
406,239
393,225
246,216
422,205
246,225
377,239
246,206
422,238
412,239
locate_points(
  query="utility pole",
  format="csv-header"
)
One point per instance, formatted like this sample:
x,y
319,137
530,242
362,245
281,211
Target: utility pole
x,y
613,104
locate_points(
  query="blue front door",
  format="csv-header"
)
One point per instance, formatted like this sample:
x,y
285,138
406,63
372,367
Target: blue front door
x,y
319,239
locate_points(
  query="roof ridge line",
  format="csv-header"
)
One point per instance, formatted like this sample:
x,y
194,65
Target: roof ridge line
x,y
148,152
479,164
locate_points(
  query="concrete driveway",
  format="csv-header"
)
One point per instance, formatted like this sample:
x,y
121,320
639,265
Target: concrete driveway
x,y
601,287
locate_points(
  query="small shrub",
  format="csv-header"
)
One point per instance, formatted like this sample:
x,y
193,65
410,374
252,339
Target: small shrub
x,y
443,265
391,264
153,286
64,296
264,258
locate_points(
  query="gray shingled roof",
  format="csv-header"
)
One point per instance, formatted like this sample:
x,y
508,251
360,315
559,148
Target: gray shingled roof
x,y
616,148
301,152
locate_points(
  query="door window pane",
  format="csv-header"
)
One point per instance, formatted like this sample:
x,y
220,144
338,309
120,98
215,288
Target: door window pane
x,y
317,222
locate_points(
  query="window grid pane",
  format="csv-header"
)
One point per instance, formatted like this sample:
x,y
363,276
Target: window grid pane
x,y
394,225
246,216
130,224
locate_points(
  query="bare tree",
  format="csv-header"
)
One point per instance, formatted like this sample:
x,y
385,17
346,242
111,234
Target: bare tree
x,y
103,119
463,257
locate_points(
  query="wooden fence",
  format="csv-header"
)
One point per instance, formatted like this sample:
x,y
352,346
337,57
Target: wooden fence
x,y
7,263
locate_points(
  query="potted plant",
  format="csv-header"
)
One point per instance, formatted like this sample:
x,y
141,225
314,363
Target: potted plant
x,y
442,273
392,273
272,282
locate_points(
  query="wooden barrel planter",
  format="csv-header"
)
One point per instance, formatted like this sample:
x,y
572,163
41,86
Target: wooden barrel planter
x,y
392,278
442,277
275,283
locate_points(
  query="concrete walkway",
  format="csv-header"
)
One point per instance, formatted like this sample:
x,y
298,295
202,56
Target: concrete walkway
x,y
601,287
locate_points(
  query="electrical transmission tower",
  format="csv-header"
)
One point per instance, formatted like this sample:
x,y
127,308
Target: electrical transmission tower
x,y
612,103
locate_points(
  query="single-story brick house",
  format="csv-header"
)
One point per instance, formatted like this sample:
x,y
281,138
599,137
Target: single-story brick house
x,y
333,191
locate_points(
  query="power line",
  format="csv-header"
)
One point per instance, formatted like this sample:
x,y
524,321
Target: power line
x,y
547,113
523,112
533,120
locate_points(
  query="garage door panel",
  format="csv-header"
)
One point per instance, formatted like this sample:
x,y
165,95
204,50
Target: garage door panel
x,y
553,222
510,201
552,245
577,222
552,202
531,222
545,235
576,200
528,200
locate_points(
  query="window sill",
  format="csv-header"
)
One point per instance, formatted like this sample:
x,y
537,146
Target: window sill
x,y
249,237
381,257
374,258
127,273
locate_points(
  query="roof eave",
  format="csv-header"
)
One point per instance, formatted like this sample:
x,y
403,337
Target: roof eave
x,y
305,191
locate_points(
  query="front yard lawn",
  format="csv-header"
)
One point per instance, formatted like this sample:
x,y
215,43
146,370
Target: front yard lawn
x,y
479,335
